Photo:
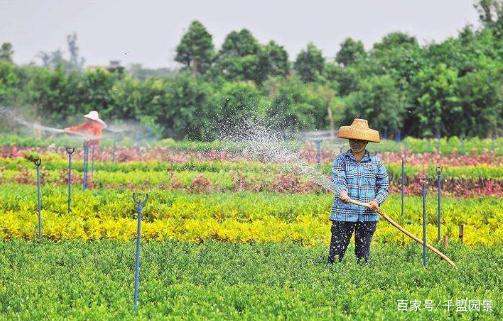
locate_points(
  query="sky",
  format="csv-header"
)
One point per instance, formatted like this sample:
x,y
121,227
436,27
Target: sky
x,y
148,31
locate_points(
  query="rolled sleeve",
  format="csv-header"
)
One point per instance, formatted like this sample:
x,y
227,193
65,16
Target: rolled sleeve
x,y
339,176
382,183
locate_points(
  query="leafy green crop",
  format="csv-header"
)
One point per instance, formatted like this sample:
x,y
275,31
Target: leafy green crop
x,y
414,145
56,162
218,281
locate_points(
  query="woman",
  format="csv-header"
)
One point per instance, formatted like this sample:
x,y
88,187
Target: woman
x,y
91,130
356,175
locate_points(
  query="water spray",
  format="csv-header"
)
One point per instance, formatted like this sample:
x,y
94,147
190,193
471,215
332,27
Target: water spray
x,y
12,116
262,142
270,146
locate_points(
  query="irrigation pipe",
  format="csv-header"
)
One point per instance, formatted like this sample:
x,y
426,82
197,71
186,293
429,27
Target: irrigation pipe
x,y
404,231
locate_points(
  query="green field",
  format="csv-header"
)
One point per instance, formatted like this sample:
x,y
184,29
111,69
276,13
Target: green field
x,y
238,239
222,281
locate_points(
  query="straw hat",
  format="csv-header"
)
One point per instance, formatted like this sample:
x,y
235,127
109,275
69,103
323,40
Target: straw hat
x,y
360,130
93,115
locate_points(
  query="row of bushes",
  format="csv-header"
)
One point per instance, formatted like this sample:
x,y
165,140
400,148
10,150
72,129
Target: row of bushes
x,y
413,145
155,169
235,217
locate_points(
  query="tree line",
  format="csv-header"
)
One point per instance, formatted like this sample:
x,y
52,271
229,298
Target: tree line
x,y
450,88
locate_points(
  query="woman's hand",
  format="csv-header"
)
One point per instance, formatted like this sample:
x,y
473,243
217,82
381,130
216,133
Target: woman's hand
x,y
374,205
343,195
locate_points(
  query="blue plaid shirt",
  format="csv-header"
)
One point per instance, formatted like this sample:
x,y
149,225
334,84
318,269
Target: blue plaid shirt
x,y
364,181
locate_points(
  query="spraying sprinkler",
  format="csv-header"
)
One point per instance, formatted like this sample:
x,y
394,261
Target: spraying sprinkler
x,y
92,162
439,200
37,161
423,197
69,151
139,205
401,229
318,151
116,133
85,166
402,183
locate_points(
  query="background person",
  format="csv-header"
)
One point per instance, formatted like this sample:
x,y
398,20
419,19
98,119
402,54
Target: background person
x,y
91,130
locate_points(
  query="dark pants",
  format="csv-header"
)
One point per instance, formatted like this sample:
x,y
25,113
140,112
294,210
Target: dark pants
x,y
341,235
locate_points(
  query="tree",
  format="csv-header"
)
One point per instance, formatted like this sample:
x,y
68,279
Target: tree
x,y
196,49
241,58
6,52
95,90
240,44
401,62
350,51
55,94
309,63
184,110
127,100
346,78
489,10
271,60
9,83
491,15
395,39
56,59
378,100
480,99
53,59
328,97
76,62
436,105
277,59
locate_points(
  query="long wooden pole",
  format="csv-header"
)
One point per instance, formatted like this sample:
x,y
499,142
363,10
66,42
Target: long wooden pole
x,y
404,231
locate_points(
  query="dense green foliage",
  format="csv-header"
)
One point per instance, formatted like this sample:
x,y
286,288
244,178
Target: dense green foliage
x,y
444,146
217,281
449,88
